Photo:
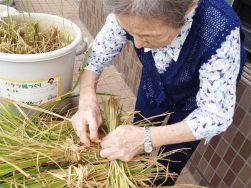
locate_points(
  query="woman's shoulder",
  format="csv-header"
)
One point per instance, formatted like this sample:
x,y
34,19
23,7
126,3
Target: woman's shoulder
x,y
213,22
217,13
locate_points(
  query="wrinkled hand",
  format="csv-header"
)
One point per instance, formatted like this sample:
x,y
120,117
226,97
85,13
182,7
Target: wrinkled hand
x,y
86,123
125,142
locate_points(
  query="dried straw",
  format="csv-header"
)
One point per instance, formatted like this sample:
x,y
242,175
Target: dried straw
x,y
43,151
25,37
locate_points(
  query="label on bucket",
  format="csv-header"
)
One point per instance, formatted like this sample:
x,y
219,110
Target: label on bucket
x,y
33,92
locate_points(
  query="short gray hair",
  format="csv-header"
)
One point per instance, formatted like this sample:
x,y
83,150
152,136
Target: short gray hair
x,y
172,10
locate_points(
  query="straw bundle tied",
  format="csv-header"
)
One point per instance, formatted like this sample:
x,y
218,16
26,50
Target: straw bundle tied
x,y
43,151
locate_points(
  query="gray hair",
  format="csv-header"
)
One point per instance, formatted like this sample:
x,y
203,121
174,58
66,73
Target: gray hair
x,y
172,10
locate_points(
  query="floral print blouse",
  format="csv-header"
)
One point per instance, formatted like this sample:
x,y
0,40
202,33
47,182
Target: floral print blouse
x,y
217,94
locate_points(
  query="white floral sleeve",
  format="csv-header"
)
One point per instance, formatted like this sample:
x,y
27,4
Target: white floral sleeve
x,y
217,94
107,44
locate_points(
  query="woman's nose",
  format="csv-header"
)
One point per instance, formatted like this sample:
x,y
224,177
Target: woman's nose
x,y
139,43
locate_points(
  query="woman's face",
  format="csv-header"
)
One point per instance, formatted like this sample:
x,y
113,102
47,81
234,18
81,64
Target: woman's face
x,y
148,33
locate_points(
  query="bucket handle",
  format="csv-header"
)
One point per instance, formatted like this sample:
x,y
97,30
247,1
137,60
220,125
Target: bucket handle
x,y
83,48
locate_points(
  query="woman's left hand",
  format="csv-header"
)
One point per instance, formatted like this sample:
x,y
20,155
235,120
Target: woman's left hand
x,y
123,143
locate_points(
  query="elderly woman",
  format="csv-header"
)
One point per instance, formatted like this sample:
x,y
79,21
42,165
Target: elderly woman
x,y
192,56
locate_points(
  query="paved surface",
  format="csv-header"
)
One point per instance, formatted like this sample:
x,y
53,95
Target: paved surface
x,y
111,80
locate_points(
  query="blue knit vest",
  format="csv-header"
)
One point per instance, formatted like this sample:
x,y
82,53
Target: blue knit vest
x,y
175,90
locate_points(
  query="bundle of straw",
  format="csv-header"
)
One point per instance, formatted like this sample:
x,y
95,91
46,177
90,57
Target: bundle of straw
x,y
43,151
25,37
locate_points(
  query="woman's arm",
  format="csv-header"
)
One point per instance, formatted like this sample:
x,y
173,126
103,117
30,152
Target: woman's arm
x,y
215,99
108,43
171,134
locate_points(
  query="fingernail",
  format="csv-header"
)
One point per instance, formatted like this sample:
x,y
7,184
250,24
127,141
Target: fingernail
x,y
101,155
94,139
85,142
88,143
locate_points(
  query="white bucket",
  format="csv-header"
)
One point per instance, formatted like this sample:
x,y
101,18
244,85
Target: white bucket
x,y
40,78
4,10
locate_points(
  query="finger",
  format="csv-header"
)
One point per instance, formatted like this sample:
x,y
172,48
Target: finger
x,y
108,152
93,128
119,156
81,130
74,121
111,134
126,159
106,143
105,153
84,137
77,122
113,157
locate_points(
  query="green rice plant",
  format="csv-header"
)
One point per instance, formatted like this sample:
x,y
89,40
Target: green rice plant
x,y
9,16
27,6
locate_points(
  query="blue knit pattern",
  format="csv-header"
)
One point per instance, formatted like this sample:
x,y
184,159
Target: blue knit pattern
x,y
175,90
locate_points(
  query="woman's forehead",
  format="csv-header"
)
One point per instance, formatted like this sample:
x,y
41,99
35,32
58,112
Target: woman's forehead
x,y
140,24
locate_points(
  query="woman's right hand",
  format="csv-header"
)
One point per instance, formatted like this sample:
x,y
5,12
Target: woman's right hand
x,y
87,120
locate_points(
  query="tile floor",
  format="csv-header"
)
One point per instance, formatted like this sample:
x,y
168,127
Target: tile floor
x,y
111,80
